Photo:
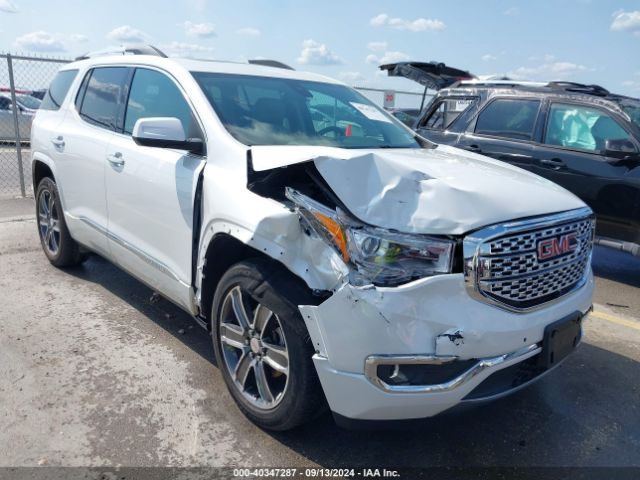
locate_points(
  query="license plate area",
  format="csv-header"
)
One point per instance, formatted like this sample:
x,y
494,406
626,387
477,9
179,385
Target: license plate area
x,y
560,339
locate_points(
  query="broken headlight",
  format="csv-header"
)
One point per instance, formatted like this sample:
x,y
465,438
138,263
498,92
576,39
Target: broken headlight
x,y
376,255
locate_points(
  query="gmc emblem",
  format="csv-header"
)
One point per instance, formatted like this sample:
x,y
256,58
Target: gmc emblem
x,y
556,246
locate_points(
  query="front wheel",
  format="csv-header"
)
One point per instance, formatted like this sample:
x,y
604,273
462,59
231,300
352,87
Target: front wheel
x,y
262,346
57,244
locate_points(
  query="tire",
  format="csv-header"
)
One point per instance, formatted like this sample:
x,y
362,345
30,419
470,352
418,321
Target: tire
x,y
268,288
58,246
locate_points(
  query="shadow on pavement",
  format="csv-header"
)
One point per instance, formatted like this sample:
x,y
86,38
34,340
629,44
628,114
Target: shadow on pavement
x,y
156,308
583,413
573,416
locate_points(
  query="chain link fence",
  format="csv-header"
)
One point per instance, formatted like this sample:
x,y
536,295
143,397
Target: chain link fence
x,y
402,99
23,83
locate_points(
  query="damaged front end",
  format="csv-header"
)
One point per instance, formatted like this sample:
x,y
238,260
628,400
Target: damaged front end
x,y
376,256
400,320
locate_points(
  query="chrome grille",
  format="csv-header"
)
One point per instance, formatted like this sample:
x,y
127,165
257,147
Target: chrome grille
x,y
502,264
527,241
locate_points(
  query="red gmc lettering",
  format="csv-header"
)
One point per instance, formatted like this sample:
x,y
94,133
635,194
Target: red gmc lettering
x,y
553,247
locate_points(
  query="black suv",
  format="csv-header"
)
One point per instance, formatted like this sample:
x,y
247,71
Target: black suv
x,y
580,136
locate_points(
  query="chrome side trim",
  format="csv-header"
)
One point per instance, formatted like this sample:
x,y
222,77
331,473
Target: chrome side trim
x,y
148,259
372,362
473,248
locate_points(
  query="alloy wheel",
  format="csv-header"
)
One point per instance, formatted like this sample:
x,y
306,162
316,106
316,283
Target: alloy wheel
x,y
49,222
254,349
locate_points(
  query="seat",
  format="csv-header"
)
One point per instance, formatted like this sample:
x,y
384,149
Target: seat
x,y
271,111
605,128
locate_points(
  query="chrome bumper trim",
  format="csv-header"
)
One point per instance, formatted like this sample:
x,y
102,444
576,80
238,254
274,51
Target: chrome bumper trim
x,y
372,362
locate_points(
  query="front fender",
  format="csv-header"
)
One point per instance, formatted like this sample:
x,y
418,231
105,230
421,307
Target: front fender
x,y
281,238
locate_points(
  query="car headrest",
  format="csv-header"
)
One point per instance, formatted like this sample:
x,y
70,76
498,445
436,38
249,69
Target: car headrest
x,y
270,110
605,127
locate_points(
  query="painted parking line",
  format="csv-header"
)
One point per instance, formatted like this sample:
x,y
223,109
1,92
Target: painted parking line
x,y
615,319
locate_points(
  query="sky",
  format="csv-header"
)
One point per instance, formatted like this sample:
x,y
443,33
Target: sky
x,y
589,41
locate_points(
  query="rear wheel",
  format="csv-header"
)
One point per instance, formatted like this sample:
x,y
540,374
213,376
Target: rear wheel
x,y
262,346
57,244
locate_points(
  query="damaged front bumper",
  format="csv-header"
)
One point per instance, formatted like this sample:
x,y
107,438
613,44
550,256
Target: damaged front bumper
x,y
467,373
433,323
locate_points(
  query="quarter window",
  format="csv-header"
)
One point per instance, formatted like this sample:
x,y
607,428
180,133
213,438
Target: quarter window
x,y
103,96
582,127
153,94
58,90
509,119
446,112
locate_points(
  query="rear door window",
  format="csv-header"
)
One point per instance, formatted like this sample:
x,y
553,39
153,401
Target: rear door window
x,y
582,127
445,112
509,118
103,96
58,90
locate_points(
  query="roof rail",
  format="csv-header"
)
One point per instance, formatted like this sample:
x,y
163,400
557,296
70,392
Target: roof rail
x,y
580,88
125,50
501,83
270,63
559,85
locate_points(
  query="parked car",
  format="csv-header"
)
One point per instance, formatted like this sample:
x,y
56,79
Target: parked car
x,y
373,272
39,94
582,137
408,116
27,106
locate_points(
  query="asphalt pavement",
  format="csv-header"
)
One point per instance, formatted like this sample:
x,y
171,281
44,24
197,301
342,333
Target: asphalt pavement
x,y
96,370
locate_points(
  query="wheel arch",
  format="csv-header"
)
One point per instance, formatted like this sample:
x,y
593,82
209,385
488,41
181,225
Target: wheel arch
x,y
41,167
225,250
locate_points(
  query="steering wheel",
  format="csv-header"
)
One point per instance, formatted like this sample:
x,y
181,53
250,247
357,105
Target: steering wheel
x,y
332,128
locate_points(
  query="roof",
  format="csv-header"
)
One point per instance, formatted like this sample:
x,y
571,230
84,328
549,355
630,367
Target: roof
x,y
214,66
250,69
588,93
608,100
562,87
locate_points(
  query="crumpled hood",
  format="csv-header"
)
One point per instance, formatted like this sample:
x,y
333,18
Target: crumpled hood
x,y
438,191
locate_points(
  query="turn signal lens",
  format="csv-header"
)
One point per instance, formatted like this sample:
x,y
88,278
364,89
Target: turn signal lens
x,y
336,233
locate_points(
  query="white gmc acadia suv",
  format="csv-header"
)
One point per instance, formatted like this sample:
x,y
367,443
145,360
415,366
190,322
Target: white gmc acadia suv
x,y
337,258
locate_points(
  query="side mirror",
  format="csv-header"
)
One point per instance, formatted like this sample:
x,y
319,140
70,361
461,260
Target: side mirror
x,y
165,132
622,149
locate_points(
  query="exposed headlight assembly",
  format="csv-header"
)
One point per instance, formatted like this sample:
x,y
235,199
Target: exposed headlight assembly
x,y
376,255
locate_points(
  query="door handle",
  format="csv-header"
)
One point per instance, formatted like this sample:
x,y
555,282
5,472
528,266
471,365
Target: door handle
x,y
116,159
554,163
58,141
473,148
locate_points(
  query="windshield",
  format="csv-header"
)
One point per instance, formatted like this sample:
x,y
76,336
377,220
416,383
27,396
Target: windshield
x,y
28,101
634,112
279,111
